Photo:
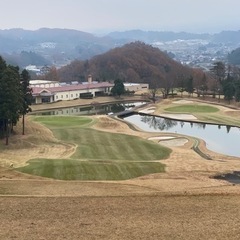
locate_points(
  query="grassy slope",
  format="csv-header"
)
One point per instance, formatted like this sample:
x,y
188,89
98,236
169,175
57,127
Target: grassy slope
x,y
99,155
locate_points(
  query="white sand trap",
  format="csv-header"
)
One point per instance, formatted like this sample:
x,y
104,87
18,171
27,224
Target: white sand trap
x,y
148,110
179,116
183,101
161,138
170,141
177,142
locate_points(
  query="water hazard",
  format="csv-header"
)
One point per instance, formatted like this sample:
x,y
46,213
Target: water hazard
x,y
92,109
219,138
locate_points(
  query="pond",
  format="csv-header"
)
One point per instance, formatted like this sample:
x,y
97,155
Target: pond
x,y
219,138
92,109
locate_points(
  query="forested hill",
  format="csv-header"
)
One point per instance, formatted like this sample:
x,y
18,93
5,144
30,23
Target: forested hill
x,y
234,57
134,62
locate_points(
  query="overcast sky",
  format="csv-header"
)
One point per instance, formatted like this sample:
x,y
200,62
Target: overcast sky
x,y
109,15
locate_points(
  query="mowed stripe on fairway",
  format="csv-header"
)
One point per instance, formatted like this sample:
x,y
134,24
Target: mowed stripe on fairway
x,y
99,155
66,169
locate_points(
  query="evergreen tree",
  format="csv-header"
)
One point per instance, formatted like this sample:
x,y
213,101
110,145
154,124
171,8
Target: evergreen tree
x,y
228,88
3,66
219,70
118,88
189,85
203,86
237,90
27,96
10,97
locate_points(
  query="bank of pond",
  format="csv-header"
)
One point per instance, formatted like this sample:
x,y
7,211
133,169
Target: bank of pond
x,y
90,162
219,138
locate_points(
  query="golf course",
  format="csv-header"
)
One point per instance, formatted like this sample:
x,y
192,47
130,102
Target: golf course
x,y
98,155
96,177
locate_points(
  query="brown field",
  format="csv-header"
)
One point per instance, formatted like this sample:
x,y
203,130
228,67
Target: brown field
x,y
182,203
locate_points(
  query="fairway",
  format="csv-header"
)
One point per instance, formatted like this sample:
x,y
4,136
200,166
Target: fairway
x,y
66,169
63,121
193,108
99,155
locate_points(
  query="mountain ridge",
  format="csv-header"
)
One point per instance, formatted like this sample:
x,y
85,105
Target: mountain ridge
x,y
61,46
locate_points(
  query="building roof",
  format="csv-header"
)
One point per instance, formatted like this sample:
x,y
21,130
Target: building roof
x,y
65,88
32,82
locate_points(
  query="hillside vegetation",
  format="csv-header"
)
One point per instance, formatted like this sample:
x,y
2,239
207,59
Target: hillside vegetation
x,y
234,57
134,62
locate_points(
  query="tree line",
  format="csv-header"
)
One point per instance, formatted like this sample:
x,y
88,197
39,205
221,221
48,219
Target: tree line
x,y
221,80
227,81
15,98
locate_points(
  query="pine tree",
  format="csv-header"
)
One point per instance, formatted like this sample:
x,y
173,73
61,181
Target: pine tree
x,y
27,96
10,98
3,66
228,88
118,88
219,70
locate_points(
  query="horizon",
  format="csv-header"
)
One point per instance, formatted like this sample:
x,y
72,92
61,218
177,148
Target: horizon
x,y
104,16
103,32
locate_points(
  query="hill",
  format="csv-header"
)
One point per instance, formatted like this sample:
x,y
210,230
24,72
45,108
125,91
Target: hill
x,y
59,47
155,36
234,57
227,37
54,46
133,62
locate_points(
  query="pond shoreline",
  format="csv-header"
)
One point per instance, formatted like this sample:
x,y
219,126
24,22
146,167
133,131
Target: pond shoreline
x,y
84,102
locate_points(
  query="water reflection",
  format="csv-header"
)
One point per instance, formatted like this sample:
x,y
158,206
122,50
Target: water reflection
x,y
94,108
219,138
158,123
164,124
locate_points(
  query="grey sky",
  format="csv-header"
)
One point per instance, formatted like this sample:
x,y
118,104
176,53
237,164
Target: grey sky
x,y
110,15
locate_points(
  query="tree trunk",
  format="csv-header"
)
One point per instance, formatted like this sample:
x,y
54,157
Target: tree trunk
x,y
23,124
7,133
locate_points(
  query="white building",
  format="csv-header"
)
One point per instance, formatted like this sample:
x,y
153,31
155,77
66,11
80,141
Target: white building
x,y
69,92
44,83
136,86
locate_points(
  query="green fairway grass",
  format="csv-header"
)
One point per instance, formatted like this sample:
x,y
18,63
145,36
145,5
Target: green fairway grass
x,y
99,155
66,169
98,145
192,109
63,121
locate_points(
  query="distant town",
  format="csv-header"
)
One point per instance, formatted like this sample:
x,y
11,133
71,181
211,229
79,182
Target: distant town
x,y
197,52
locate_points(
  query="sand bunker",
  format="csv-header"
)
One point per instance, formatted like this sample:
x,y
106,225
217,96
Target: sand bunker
x,y
161,138
148,110
170,141
179,116
177,142
183,102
